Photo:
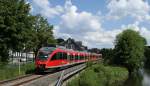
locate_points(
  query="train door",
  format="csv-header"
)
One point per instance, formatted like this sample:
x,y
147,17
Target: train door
x,y
68,57
56,59
74,57
78,57
64,58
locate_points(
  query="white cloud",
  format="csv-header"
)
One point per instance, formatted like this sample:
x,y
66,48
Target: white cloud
x,y
84,26
145,32
134,26
138,9
45,8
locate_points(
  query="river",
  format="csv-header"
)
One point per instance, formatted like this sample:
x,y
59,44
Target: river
x,y
140,79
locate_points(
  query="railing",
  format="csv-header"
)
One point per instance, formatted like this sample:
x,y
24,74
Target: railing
x,y
60,80
69,72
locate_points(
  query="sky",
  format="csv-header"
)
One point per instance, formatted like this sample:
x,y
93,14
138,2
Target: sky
x,y
94,22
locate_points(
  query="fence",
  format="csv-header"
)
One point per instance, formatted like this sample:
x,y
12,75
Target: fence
x,y
10,71
16,57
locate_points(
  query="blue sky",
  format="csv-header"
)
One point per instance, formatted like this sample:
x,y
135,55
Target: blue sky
x,y
95,22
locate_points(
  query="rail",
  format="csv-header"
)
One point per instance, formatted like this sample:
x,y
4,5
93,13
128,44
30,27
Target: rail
x,y
17,78
21,80
51,79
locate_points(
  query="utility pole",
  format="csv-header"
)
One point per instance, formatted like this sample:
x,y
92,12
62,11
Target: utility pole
x,y
19,62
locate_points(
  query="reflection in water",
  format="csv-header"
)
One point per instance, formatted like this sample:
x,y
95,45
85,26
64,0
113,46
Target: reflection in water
x,y
134,80
146,78
142,78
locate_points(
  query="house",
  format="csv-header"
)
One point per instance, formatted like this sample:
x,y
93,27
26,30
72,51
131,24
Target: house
x,y
72,44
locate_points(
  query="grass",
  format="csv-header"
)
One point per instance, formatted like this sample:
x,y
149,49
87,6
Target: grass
x,y
100,75
12,71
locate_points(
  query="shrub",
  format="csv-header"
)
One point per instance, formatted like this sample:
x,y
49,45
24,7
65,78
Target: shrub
x,y
12,71
100,75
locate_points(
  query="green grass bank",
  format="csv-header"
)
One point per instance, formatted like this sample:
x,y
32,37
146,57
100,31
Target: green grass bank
x,y
100,75
12,71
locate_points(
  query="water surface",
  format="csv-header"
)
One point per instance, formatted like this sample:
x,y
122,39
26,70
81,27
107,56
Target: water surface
x,y
142,78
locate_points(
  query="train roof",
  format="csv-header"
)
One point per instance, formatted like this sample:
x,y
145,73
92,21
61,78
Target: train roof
x,y
47,49
51,49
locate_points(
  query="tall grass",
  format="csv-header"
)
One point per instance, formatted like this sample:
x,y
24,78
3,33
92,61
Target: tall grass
x,y
12,71
100,75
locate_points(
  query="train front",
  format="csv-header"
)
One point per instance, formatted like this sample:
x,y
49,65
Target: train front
x,y
42,58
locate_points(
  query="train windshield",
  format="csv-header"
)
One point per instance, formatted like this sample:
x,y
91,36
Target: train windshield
x,y
45,52
43,56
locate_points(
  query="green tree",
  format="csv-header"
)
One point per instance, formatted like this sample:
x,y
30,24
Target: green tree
x,y
60,40
147,56
107,55
129,50
42,33
14,25
21,31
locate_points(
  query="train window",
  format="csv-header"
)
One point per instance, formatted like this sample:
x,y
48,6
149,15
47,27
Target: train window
x,y
68,56
71,57
64,55
85,57
82,57
76,57
79,57
59,55
54,57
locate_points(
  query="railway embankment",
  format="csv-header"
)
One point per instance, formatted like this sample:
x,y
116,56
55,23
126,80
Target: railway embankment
x,y
100,75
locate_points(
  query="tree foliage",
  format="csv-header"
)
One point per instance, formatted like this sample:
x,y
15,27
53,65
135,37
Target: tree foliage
x,y
19,30
43,34
129,50
147,56
14,19
60,40
107,55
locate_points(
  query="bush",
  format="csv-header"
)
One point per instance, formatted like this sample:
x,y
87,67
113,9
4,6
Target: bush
x,y
12,71
100,75
88,78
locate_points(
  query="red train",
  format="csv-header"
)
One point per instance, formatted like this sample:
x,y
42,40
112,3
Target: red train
x,y
51,57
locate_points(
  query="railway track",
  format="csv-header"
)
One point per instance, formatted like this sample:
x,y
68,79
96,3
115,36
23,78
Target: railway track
x,y
47,79
21,80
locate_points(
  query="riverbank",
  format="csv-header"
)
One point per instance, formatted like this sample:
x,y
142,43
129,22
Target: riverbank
x,y
141,78
12,71
100,75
